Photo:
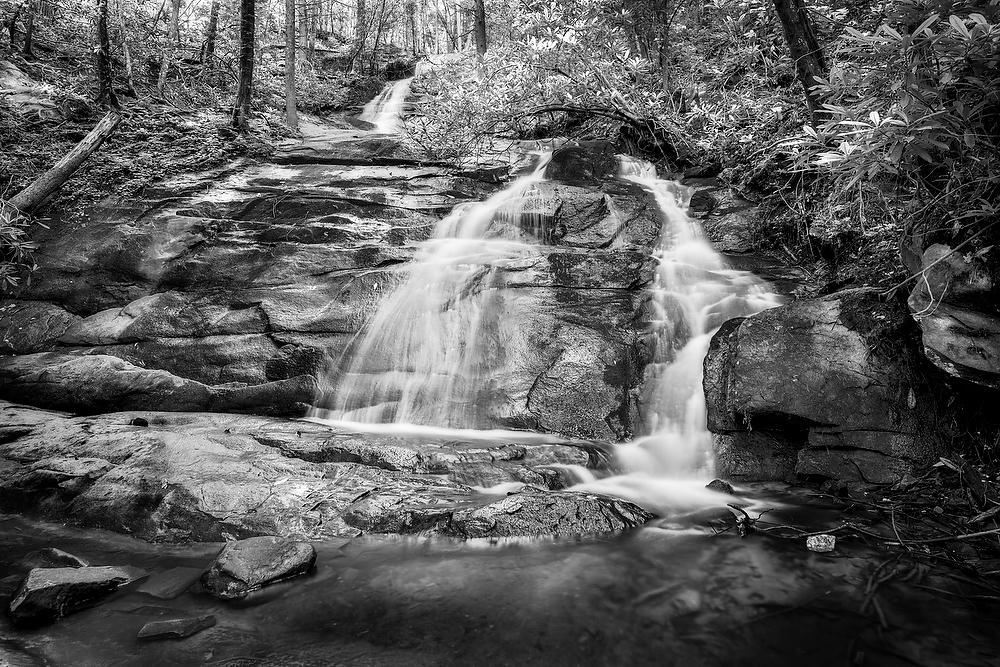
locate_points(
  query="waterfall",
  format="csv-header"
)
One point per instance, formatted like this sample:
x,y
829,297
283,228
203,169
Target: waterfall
x,y
385,112
694,292
439,348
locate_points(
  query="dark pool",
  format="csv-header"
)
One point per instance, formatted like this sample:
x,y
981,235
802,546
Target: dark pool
x,y
662,595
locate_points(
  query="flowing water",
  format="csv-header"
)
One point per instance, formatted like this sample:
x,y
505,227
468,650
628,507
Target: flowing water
x,y
440,348
443,342
385,111
694,292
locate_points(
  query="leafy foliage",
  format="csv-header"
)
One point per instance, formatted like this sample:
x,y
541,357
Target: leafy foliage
x,y
912,114
15,247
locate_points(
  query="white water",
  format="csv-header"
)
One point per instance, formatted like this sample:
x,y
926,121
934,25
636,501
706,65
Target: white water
x,y
385,112
445,340
694,292
443,346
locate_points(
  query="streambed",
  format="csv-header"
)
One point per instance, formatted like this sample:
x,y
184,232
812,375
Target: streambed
x,y
670,595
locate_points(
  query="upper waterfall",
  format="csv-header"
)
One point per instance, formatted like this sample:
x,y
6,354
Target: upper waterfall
x,y
385,111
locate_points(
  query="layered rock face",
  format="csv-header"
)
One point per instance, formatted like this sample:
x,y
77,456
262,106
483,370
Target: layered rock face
x,y
829,387
179,476
233,292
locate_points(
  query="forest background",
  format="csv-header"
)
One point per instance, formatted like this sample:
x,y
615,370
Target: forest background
x,y
867,131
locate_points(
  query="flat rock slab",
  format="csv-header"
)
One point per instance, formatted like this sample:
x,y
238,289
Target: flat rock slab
x,y
179,476
176,628
48,594
244,566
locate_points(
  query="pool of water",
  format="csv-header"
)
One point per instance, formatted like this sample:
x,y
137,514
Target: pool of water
x,y
668,594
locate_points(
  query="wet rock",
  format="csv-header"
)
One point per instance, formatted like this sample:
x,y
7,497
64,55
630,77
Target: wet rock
x,y
51,557
834,380
584,162
51,593
247,565
32,326
532,513
727,220
721,486
387,514
955,305
176,628
95,383
170,584
212,476
101,383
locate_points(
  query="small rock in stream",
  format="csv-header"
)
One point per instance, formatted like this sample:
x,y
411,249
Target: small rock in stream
x,y
48,594
821,543
721,486
169,584
244,566
176,628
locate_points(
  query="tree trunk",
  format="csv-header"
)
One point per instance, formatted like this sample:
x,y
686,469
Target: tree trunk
x,y
12,27
241,110
303,28
291,114
29,28
480,27
360,32
126,51
105,75
32,196
208,50
173,37
803,47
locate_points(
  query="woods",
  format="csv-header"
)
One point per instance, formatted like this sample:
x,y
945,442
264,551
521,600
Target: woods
x,y
886,111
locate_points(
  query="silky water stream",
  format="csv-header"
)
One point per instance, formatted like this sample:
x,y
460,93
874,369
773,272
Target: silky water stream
x,y
385,110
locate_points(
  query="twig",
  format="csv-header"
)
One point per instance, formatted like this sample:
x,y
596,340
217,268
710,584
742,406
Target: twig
x,y
949,538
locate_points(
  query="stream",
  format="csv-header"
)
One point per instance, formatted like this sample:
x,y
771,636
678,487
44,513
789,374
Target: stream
x,y
440,359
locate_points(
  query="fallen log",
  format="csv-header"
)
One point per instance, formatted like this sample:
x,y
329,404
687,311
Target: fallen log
x,y
32,196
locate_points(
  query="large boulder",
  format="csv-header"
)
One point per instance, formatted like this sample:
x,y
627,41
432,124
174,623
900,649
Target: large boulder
x,y
48,594
956,302
828,387
247,565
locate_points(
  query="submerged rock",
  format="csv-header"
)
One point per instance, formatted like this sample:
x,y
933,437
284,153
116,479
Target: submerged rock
x,y
51,557
176,628
828,387
721,486
48,594
247,565
532,513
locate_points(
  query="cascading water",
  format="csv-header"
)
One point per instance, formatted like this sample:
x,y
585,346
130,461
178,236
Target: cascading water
x,y
440,346
385,112
694,292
